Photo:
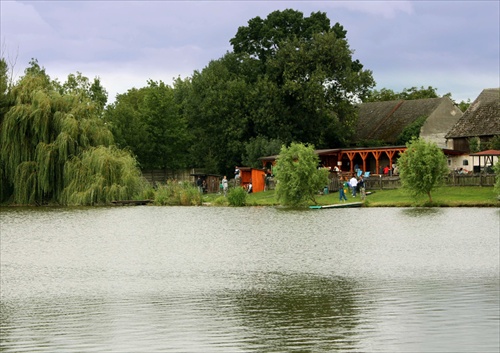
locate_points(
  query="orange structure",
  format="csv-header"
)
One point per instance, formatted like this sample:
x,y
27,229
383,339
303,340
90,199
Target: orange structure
x,y
367,159
251,175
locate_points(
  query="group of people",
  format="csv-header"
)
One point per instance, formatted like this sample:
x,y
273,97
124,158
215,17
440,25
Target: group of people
x,y
224,184
354,184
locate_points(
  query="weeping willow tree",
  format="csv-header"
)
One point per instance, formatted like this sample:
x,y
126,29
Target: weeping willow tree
x,y
50,140
100,175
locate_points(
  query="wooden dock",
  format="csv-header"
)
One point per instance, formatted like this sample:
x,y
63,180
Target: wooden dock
x,y
338,205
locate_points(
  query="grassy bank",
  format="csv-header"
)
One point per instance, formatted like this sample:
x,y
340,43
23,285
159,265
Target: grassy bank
x,y
467,196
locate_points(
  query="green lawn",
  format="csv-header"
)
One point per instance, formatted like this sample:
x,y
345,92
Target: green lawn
x,y
473,196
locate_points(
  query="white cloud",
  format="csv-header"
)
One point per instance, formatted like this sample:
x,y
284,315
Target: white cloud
x,y
448,45
386,9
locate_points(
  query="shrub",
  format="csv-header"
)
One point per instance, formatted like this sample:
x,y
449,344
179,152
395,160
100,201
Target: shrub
x,y
237,197
497,177
297,174
180,194
220,201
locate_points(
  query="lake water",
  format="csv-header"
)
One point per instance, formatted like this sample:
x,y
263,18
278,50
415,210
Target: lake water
x,y
207,279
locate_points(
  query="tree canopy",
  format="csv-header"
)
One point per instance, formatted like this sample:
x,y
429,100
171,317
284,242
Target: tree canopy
x,y
386,94
297,175
422,167
45,131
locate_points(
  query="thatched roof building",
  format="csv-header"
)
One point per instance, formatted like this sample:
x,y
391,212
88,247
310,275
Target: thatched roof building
x,y
386,121
481,119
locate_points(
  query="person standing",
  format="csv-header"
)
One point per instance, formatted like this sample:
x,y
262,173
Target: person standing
x,y
199,184
224,186
362,187
342,196
354,184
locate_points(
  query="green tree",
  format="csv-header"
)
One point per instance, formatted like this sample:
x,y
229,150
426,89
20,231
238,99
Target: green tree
x,y
464,105
297,174
166,128
474,144
79,85
259,147
124,119
305,67
494,143
151,123
43,132
422,167
218,112
386,94
412,131
496,168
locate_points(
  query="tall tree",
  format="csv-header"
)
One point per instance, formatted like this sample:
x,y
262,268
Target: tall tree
x,y
45,130
125,122
81,85
308,66
218,111
297,174
422,167
151,123
166,127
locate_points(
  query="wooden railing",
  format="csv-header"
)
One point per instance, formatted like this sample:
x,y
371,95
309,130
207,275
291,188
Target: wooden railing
x,y
393,182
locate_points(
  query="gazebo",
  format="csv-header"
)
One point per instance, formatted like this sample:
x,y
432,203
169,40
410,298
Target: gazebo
x,y
486,157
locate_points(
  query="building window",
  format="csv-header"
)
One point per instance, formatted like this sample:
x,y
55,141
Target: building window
x,y
465,162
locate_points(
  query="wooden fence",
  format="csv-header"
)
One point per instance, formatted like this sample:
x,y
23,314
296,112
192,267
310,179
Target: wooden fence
x,y
160,176
374,182
385,183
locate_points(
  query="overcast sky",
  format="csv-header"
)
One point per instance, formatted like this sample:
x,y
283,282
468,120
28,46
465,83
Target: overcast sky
x,y
450,45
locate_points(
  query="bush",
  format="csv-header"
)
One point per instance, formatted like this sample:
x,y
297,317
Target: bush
x,y
237,197
497,177
297,175
220,201
180,194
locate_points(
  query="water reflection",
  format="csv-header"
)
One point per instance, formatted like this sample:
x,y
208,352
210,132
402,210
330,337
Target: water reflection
x,y
421,211
298,312
199,279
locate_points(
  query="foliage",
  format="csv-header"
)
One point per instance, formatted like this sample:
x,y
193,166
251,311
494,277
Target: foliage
x,y
307,80
100,175
422,167
166,128
81,85
259,147
407,94
371,143
125,121
289,78
218,115
474,144
494,143
297,175
177,194
47,135
496,168
150,123
237,197
5,87
220,201
464,105
411,131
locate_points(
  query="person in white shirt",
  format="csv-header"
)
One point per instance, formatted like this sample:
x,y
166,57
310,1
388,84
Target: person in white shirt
x,y
224,185
354,184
